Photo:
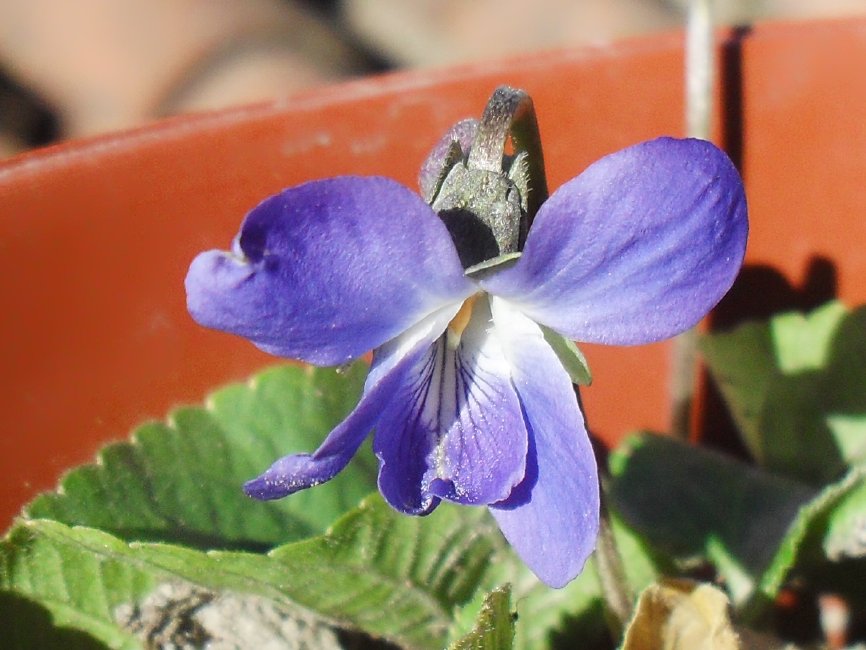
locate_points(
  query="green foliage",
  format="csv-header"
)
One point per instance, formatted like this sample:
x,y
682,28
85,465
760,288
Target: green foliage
x,y
844,536
181,481
494,627
796,386
394,577
352,576
79,576
705,505
808,419
160,524
752,524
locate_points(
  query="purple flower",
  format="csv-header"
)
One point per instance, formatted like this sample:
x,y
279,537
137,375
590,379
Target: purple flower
x,y
469,399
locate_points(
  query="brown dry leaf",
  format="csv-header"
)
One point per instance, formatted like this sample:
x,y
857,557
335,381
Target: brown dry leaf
x,y
681,615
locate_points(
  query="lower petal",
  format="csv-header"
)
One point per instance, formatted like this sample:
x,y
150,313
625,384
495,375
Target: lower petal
x,y
391,364
551,518
454,429
404,439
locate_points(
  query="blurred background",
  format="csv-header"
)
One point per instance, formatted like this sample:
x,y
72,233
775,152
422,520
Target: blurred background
x,y
71,69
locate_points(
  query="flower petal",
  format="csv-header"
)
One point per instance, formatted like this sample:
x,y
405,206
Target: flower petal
x,y
637,248
329,270
454,429
390,366
551,519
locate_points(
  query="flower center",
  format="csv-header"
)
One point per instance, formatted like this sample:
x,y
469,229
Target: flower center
x,y
460,321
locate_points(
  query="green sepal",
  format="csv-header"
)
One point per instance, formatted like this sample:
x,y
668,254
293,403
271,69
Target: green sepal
x,y
570,356
494,264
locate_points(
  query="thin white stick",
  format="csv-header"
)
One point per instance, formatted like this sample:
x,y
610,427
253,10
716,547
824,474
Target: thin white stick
x,y
700,68
699,73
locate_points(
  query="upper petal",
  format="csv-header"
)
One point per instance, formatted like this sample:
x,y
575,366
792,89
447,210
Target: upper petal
x,y
390,367
454,429
637,248
328,270
551,519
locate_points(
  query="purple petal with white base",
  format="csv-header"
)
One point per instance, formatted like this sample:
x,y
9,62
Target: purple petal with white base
x,y
551,519
389,370
454,430
328,270
467,399
636,249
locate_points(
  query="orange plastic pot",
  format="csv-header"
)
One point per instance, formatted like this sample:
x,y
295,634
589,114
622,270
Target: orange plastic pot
x,y
96,236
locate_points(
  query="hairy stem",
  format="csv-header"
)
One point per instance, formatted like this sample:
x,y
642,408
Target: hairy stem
x,y
615,588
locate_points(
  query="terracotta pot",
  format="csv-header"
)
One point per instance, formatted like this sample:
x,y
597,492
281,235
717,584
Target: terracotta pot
x,y
96,235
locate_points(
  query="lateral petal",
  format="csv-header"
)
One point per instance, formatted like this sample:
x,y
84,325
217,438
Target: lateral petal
x,y
636,249
390,366
551,518
328,270
454,429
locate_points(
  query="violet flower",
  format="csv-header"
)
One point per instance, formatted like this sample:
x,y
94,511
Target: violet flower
x,y
469,400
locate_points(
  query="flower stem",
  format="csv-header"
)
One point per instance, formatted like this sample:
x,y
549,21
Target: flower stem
x,y
617,593
609,567
699,73
511,112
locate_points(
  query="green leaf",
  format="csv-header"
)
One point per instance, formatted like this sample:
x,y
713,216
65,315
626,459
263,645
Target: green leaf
x,y
696,503
32,627
742,362
77,575
441,561
125,594
555,618
494,627
389,574
804,342
181,481
797,389
812,520
849,432
396,577
755,526
393,576
844,535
